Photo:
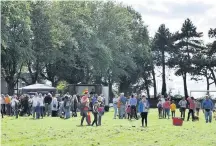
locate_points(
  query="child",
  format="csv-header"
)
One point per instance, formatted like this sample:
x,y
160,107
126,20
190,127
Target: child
x,y
95,112
173,108
128,111
160,108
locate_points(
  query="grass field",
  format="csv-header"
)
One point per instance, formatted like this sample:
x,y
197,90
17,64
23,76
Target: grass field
x,y
58,132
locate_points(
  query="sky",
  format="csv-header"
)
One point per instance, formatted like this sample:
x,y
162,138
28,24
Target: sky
x,y
173,13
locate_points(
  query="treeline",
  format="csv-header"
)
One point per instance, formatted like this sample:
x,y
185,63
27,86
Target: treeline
x,y
97,42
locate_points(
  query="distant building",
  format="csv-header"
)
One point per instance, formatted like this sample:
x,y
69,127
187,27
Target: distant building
x,y
4,86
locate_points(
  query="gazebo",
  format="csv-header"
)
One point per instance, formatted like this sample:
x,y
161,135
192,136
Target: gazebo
x,y
40,88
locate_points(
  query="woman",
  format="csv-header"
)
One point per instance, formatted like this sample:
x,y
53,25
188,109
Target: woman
x,y
95,113
143,110
54,106
115,101
67,107
74,102
84,108
198,106
100,109
41,101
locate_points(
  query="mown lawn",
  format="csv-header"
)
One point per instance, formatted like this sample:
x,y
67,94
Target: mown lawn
x,y
58,132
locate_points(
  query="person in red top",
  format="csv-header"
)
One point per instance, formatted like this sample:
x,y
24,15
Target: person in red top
x,y
167,108
84,108
191,107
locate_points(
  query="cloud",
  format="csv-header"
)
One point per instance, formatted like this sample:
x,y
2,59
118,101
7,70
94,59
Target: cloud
x,y
173,13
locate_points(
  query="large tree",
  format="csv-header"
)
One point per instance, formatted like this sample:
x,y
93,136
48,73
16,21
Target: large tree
x,y
187,44
15,40
161,46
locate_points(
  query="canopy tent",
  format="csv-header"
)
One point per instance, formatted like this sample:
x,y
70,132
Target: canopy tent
x,y
37,88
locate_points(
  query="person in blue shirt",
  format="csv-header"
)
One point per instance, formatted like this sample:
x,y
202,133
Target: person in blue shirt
x,y
207,106
143,110
133,103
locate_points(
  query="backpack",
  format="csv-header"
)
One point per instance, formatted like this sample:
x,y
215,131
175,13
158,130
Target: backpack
x,y
159,105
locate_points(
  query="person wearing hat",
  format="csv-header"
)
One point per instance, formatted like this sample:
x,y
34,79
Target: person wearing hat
x,y
84,108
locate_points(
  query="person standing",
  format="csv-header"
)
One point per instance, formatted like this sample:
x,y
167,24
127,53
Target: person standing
x,y
67,107
183,104
123,101
160,108
84,108
198,107
48,101
35,104
115,101
133,103
3,104
173,108
143,110
41,100
161,97
54,106
191,107
167,108
207,106
74,103
95,113
8,105
100,110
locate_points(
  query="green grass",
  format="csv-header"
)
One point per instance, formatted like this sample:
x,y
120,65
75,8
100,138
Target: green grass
x,y
58,132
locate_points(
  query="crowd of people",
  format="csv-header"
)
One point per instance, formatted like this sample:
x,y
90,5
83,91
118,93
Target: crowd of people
x,y
134,106
39,106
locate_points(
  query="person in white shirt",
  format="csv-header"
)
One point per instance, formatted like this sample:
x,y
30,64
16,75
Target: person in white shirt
x,y
35,103
115,101
41,101
14,105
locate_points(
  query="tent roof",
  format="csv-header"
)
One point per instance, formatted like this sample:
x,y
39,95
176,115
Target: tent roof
x,y
37,86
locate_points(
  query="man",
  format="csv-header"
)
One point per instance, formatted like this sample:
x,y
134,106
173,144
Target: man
x,y
133,103
48,101
123,101
207,106
35,104
84,108
183,105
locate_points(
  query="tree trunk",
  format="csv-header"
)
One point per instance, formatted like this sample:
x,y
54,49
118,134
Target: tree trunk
x,y
147,90
213,75
208,84
163,92
10,87
185,84
154,82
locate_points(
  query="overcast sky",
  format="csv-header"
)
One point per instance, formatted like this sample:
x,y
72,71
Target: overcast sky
x,y
173,13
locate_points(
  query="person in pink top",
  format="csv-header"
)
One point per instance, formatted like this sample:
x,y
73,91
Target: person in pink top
x,y
166,106
191,108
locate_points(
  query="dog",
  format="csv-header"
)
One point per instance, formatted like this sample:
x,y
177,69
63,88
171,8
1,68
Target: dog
x,y
196,118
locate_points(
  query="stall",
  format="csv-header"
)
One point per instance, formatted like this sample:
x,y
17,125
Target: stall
x,y
39,88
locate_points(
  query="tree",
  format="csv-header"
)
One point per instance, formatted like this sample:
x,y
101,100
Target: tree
x,y
161,45
15,40
187,43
